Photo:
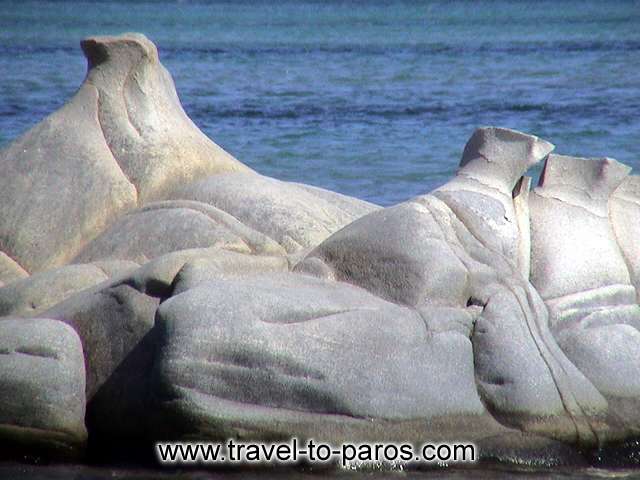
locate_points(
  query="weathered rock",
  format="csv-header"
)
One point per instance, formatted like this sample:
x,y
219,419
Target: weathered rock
x,y
580,270
624,211
461,247
295,216
160,276
481,194
609,355
157,277
414,266
60,187
114,322
33,295
113,268
482,311
573,246
42,380
231,361
277,355
224,265
10,270
121,141
153,140
164,227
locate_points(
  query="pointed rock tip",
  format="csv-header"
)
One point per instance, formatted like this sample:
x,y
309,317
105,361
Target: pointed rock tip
x,y
500,156
484,138
593,175
100,49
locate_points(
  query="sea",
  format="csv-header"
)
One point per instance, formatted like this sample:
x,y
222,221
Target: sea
x,y
374,99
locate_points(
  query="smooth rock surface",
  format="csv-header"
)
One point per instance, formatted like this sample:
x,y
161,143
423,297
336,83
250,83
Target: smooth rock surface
x,y
453,248
121,141
10,270
624,212
164,227
209,301
225,265
42,380
573,246
61,186
33,295
150,136
583,266
481,194
295,216
277,355
115,321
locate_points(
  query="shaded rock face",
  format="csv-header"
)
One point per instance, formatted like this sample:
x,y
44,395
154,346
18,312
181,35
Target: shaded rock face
x,y
10,270
115,321
624,211
193,298
42,402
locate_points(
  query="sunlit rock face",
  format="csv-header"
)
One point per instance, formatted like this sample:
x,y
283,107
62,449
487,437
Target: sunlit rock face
x,y
121,141
213,302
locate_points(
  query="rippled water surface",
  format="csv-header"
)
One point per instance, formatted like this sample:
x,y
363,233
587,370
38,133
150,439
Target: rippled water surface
x,y
373,99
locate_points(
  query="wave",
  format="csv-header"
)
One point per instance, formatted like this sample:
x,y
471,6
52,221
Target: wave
x,y
341,111
565,46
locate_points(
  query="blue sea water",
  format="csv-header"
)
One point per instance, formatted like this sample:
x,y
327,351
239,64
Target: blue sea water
x,y
374,99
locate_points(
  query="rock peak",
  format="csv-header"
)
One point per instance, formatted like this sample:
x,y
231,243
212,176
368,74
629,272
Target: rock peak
x,y
599,177
500,156
128,47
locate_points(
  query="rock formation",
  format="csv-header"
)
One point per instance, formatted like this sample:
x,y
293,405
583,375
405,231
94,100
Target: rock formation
x,y
154,288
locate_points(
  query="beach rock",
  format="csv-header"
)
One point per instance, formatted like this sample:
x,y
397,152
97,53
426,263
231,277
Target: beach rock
x,y
153,140
573,246
295,216
121,141
624,211
159,277
482,192
114,322
460,247
276,355
224,265
42,380
33,295
60,187
164,227
10,270
113,268
580,268
608,353
213,302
